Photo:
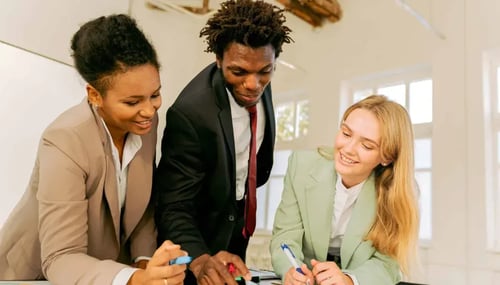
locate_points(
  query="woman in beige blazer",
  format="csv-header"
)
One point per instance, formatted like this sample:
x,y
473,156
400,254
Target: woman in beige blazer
x,y
87,215
350,214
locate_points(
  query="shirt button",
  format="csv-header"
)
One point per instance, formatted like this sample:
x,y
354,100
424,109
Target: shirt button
x,y
231,218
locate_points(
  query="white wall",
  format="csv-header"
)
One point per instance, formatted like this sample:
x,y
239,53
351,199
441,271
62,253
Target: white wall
x,y
35,89
373,36
45,27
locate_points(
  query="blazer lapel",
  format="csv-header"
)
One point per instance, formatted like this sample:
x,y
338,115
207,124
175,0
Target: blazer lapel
x,y
138,193
319,197
362,218
110,187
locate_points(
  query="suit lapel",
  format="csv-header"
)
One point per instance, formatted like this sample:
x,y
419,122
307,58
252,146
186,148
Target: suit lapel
x,y
319,197
268,108
225,119
362,218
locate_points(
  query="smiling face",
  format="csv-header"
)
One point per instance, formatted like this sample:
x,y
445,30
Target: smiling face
x,y
357,147
130,102
247,71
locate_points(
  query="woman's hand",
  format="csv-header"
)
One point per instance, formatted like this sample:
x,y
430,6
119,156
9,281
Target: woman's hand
x,y
158,271
293,277
142,264
328,273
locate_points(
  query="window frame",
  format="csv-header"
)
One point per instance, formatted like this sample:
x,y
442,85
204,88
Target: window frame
x,y
376,81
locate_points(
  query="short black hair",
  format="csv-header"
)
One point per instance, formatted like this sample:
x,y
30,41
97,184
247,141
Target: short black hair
x,y
251,23
107,45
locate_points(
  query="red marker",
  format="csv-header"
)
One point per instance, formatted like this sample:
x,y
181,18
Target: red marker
x,y
232,270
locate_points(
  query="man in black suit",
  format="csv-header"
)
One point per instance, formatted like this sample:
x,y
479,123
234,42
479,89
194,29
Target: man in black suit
x,y
202,175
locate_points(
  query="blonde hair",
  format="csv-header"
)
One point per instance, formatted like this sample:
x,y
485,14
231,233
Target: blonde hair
x,y
395,230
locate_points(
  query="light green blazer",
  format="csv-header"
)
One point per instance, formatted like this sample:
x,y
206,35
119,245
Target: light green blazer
x,y
304,221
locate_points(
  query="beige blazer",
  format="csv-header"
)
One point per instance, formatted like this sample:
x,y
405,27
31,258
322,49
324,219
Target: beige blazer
x,y
304,221
68,226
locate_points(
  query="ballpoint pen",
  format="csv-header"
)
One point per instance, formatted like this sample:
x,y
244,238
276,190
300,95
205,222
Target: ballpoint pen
x,y
291,257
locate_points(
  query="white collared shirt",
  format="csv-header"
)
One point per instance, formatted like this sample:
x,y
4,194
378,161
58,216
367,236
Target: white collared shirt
x,y
242,135
132,145
345,199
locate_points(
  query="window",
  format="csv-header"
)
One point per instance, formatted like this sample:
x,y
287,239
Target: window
x,y
412,89
269,194
292,124
291,108
292,120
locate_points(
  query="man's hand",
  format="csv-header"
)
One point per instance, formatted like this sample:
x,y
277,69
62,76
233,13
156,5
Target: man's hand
x,y
213,270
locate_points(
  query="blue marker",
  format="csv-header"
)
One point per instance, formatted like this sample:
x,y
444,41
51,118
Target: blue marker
x,y
291,257
180,260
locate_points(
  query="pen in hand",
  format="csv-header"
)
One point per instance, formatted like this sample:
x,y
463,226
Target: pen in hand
x,y
291,257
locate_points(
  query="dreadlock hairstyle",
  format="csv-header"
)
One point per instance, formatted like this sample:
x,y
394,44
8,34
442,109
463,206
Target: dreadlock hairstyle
x,y
251,23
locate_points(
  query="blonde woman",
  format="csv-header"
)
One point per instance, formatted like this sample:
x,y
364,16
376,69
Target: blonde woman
x,y
350,213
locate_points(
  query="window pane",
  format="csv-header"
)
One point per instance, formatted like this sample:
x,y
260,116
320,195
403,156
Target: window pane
x,y
423,153
275,190
425,203
362,94
421,101
285,122
260,214
302,118
280,162
395,93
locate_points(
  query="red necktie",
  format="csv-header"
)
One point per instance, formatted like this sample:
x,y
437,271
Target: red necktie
x,y
251,199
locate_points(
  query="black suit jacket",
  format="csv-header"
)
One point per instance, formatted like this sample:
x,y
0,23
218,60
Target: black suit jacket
x,y
195,178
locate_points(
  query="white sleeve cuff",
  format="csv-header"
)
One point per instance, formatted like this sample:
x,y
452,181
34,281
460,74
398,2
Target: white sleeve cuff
x,y
353,278
142,258
123,276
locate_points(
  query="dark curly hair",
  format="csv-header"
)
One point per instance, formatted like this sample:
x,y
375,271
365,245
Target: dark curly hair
x,y
108,45
248,22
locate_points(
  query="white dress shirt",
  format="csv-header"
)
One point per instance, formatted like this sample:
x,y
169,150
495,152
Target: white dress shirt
x,y
132,145
345,199
242,134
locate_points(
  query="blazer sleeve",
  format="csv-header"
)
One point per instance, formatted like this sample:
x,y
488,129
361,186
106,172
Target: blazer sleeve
x,y
178,181
63,217
288,226
379,269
